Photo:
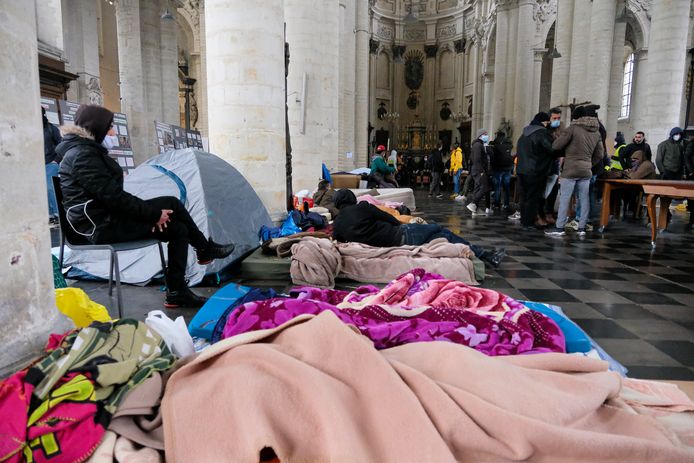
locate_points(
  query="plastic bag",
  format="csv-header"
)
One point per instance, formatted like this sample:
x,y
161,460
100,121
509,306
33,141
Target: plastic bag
x,y
174,332
75,304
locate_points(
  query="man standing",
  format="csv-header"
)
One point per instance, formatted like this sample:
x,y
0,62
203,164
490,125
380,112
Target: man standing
x,y
535,158
638,143
670,157
456,170
436,168
480,170
549,198
502,167
583,147
51,139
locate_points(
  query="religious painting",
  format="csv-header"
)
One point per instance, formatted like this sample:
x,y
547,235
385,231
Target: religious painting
x,y
414,69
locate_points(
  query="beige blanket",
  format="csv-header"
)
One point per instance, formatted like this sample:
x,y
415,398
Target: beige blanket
x,y
316,391
319,262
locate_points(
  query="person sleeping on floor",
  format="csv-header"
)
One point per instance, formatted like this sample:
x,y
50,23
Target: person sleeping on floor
x,y
365,223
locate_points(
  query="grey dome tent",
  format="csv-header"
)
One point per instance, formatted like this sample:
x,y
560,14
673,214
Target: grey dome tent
x,y
219,199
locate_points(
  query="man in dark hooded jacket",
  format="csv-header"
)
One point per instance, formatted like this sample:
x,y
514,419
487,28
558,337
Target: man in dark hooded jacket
x,y
99,210
670,156
535,162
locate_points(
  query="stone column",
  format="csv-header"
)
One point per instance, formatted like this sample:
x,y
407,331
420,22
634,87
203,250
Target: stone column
x,y
580,37
488,88
27,301
201,84
500,60
347,84
614,101
429,93
602,26
361,109
245,88
539,55
150,26
49,27
667,69
510,64
168,47
315,141
82,51
475,66
130,71
524,75
639,98
561,67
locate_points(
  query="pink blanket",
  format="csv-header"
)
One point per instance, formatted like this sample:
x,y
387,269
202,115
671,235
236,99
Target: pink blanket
x,y
416,307
316,391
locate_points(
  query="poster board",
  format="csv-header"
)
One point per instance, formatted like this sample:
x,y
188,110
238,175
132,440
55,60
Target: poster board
x,y
68,109
172,137
123,151
51,107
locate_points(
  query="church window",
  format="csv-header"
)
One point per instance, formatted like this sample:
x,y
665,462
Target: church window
x,y
626,86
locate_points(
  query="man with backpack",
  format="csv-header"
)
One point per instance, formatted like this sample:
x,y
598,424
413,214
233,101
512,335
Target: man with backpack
x,y
502,168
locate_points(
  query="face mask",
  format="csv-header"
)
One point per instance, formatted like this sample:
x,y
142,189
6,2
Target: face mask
x,y
555,124
485,139
676,137
110,141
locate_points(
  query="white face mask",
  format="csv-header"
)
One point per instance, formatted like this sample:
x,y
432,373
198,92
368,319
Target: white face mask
x,y
676,137
110,141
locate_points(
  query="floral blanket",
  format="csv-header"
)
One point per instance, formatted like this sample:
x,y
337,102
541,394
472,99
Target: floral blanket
x,y
415,307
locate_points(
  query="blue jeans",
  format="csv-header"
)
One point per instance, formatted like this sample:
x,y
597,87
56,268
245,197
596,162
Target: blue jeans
x,y
593,213
566,191
52,171
502,178
415,234
456,181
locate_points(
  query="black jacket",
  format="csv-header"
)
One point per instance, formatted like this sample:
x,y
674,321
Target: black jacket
x,y
480,158
502,159
51,139
535,154
436,162
689,160
631,148
92,186
365,223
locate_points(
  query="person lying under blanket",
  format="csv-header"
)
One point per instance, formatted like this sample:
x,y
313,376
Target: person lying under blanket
x,y
365,223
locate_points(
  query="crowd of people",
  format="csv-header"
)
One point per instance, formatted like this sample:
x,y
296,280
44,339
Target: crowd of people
x,y
556,168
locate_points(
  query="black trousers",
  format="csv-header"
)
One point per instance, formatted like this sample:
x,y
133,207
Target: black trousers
x,y
481,189
533,189
180,232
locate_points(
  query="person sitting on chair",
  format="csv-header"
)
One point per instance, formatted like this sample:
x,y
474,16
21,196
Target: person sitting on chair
x,y
99,210
365,223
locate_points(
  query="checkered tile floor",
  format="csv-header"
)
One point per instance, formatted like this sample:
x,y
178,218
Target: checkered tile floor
x,y
636,303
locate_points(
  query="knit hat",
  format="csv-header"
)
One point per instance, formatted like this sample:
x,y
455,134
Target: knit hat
x,y
592,110
344,198
675,131
96,119
481,132
619,139
540,118
578,113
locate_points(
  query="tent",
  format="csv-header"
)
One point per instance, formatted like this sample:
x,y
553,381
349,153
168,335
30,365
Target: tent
x,y
219,199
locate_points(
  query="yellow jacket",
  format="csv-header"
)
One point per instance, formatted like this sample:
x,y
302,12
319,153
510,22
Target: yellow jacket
x,y
456,159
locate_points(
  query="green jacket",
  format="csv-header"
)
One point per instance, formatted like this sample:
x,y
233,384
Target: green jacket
x,y
378,164
669,157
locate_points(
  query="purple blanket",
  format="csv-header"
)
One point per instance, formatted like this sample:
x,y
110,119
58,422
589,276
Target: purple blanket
x,y
446,310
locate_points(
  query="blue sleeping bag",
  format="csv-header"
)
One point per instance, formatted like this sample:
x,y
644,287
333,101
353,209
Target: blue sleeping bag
x,y
204,321
576,339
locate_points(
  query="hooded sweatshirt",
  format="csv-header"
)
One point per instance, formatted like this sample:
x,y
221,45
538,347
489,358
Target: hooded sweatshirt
x,y
582,145
669,157
644,168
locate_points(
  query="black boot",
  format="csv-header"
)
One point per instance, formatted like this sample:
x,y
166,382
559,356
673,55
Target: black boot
x,y
184,297
495,257
213,251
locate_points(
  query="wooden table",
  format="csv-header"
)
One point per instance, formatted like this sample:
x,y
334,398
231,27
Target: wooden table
x,y
614,184
666,193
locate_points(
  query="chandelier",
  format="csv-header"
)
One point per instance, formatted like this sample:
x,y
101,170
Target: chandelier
x,y
391,116
461,116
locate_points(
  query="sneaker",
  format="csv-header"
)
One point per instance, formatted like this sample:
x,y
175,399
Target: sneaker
x,y
214,251
439,196
495,257
572,225
454,196
589,227
488,211
460,198
514,216
472,207
555,232
581,232
183,298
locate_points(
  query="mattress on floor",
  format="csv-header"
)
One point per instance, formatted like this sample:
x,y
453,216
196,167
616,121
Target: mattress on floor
x,y
259,266
399,195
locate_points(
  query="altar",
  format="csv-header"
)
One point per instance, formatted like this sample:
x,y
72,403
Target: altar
x,y
415,138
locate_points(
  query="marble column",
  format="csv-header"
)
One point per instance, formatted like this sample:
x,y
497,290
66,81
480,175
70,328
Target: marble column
x,y
602,28
347,77
524,75
132,90
27,301
314,141
81,40
361,104
561,67
614,100
245,89
500,59
580,37
667,69
168,53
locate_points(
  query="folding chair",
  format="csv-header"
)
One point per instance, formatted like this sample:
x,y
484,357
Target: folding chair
x,y
76,242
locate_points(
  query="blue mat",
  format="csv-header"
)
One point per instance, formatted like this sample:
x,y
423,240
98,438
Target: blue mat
x,y
205,320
